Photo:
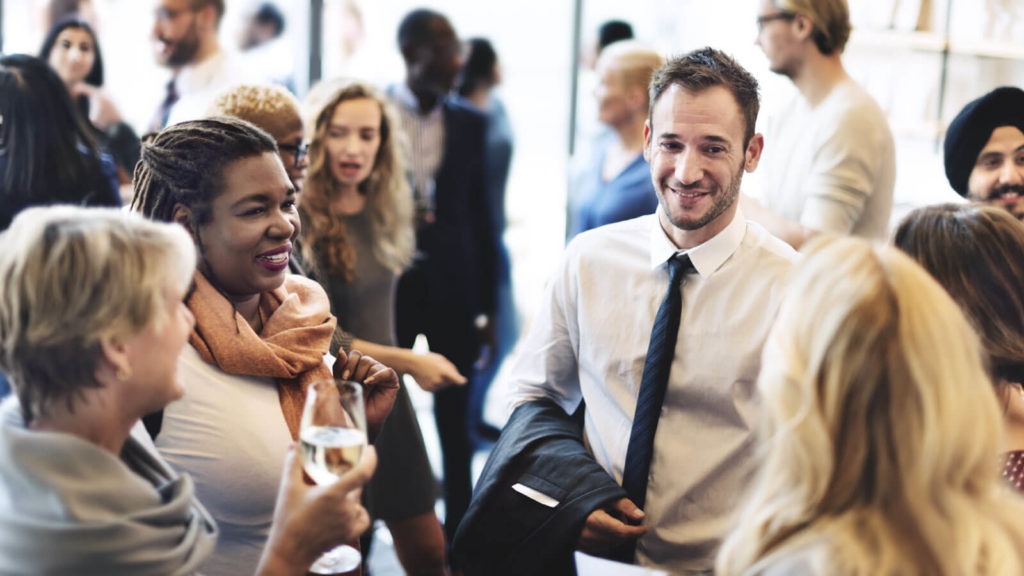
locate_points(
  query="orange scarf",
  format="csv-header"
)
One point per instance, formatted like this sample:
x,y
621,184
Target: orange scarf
x,y
290,348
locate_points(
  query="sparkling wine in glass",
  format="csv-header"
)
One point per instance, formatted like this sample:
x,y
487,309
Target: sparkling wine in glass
x,y
333,436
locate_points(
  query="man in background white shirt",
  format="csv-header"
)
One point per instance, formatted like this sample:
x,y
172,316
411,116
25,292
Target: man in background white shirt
x,y
590,338
830,164
185,40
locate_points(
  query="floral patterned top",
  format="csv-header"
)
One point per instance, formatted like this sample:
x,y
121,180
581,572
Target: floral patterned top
x,y
1013,469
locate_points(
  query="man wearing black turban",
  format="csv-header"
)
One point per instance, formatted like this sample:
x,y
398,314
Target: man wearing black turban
x,y
984,150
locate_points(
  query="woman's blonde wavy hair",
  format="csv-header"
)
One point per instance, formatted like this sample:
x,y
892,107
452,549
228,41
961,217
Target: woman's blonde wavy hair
x,y
326,247
880,430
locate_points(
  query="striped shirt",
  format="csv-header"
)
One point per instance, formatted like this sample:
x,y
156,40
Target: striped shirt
x,y
424,146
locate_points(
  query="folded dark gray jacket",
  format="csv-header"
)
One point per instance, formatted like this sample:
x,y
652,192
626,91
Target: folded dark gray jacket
x,y
507,532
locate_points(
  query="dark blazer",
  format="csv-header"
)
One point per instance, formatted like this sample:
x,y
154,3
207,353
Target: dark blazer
x,y
458,248
506,532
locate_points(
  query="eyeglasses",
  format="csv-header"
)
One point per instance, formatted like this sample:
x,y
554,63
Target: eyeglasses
x,y
165,15
784,15
299,150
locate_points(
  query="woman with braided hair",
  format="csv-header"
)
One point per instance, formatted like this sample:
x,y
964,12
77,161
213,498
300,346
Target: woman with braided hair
x,y
261,335
402,493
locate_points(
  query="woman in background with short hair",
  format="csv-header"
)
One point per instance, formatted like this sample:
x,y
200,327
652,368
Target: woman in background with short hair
x,y
614,182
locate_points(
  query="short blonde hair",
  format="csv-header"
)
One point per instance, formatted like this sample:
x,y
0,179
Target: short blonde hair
x,y
270,107
880,428
633,62
831,19
71,276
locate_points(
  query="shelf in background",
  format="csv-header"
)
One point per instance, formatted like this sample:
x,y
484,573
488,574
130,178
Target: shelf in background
x,y
868,39
921,130
987,49
865,38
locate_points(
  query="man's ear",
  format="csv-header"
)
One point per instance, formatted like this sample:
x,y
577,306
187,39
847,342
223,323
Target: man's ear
x,y
804,26
183,215
753,152
409,53
647,140
208,18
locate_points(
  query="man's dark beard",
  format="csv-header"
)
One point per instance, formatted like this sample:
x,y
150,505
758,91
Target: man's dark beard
x,y
182,54
997,195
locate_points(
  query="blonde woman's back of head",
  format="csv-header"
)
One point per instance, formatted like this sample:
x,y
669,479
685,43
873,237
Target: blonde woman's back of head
x,y
880,428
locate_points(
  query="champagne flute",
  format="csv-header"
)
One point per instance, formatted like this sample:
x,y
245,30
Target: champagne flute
x,y
333,435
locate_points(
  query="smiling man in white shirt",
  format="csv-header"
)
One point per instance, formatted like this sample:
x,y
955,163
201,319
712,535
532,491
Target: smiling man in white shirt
x,y
590,339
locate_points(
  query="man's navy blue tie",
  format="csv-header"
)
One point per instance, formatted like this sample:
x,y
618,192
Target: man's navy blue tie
x,y
159,120
660,353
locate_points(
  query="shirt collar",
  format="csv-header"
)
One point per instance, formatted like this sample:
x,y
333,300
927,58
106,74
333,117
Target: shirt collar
x,y
706,257
405,98
195,77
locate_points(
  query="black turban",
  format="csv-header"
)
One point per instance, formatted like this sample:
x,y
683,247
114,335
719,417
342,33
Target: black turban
x,y
973,126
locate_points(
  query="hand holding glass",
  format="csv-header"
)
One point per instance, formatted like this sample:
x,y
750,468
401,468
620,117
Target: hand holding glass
x,y
333,436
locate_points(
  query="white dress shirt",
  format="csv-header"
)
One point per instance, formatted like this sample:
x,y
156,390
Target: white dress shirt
x,y
424,143
589,341
199,84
